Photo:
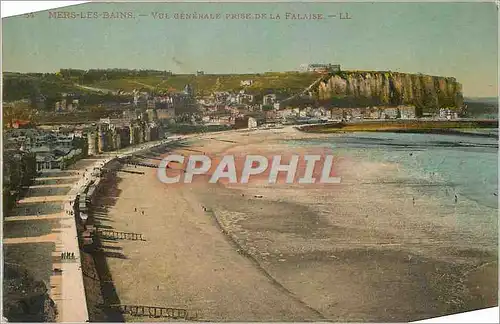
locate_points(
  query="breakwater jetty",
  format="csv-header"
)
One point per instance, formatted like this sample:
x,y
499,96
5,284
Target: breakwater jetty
x,y
414,125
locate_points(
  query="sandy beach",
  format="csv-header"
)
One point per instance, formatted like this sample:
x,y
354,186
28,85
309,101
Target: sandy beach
x,y
361,250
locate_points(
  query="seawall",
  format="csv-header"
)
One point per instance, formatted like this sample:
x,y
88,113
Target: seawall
x,y
92,276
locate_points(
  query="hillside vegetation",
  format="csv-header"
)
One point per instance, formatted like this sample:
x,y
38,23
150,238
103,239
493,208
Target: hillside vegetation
x,y
286,82
17,86
343,89
25,86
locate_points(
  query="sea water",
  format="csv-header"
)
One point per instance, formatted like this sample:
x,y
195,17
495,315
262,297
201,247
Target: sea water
x,y
447,167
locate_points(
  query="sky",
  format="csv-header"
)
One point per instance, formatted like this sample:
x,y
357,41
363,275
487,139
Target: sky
x,y
448,39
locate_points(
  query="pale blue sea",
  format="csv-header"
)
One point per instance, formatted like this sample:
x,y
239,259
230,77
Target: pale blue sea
x,y
449,164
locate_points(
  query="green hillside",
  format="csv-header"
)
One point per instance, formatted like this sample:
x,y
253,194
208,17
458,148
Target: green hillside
x,y
22,86
18,86
286,82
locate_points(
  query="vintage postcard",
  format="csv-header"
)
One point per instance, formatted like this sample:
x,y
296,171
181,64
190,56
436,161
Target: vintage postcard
x,y
250,162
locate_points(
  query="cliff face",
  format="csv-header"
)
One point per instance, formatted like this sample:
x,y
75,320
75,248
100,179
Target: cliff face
x,y
353,88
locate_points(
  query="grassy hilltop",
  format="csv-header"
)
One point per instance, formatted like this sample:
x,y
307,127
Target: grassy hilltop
x,y
19,86
285,82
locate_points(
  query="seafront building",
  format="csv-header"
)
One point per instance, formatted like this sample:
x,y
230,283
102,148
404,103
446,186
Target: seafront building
x,y
58,147
320,67
92,143
53,150
115,134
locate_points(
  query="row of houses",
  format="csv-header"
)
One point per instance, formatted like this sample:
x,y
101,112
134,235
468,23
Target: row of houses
x,y
111,136
53,150
231,114
33,138
48,158
67,104
178,101
400,112
246,121
224,97
447,114
320,67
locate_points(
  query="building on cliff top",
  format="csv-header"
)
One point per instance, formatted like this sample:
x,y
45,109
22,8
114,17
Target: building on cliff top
x,y
320,67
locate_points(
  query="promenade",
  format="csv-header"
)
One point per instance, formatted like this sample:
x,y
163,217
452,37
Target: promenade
x,y
41,228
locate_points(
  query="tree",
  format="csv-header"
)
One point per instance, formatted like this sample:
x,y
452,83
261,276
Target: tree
x,y
97,109
17,111
50,102
33,101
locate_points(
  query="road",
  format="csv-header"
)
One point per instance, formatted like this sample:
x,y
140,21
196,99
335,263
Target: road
x,y
93,88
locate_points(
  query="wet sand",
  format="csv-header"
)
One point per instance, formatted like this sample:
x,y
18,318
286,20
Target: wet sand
x,y
357,251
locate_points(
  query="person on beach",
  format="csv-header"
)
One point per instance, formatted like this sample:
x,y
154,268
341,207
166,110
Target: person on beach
x,y
413,201
72,255
62,255
456,198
